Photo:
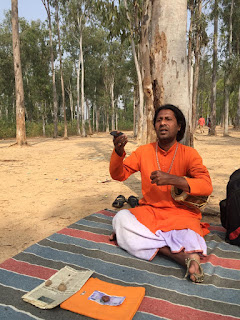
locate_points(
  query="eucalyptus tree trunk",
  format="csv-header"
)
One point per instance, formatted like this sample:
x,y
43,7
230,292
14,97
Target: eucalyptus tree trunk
x,y
190,51
227,82
82,85
43,119
97,119
78,96
55,103
148,81
70,94
61,72
112,103
107,121
226,107
168,57
94,117
197,65
116,116
237,125
20,109
134,115
89,118
43,112
139,78
212,130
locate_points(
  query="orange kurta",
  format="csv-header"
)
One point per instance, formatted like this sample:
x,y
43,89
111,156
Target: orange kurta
x,y
158,210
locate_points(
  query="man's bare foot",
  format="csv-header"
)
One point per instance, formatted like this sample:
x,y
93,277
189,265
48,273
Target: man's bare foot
x,y
190,260
112,236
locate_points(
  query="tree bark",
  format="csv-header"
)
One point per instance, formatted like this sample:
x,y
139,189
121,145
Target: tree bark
x,y
89,118
55,103
227,82
139,78
70,94
134,114
78,96
148,82
82,85
97,119
190,50
168,57
112,103
237,125
20,108
196,66
61,72
212,130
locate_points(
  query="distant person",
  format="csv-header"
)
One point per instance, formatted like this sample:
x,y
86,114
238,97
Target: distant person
x,y
201,123
160,224
209,124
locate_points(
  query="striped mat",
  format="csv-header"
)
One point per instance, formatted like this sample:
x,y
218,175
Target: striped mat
x,y
85,245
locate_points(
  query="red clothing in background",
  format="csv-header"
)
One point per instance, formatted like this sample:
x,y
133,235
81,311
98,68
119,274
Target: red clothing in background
x,y
201,121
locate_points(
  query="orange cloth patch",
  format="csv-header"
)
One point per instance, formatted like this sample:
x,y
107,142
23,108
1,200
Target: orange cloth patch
x,y
79,302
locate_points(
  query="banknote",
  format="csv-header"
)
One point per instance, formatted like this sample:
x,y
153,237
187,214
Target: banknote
x,y
106,299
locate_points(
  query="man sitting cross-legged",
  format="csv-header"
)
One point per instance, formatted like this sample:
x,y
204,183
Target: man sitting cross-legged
x,y
159,223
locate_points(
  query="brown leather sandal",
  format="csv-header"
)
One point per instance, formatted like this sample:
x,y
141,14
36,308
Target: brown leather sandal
x,y
198,276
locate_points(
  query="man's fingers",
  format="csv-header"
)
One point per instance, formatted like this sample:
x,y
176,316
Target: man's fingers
x,y
120,141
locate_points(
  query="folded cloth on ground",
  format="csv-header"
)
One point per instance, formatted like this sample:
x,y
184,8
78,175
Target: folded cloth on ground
x,y
80,302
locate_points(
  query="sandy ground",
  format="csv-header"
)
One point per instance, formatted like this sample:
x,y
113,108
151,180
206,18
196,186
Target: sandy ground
x,y
54,182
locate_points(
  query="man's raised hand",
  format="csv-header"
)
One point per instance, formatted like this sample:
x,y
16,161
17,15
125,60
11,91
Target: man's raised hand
x,y
119,141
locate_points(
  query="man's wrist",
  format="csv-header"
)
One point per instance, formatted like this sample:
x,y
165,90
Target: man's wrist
x,y
118,153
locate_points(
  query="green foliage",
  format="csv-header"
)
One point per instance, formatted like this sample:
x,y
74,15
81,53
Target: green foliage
x,y
35,129
7,129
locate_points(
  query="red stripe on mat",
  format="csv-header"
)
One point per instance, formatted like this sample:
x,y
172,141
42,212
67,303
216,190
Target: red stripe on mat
x,y
27,269
106,213
217,228
222,262
173,311
86,235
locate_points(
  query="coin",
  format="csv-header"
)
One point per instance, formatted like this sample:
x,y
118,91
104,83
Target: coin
x,y
105,298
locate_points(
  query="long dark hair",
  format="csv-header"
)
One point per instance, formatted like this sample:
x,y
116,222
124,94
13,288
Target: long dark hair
x,y
178,115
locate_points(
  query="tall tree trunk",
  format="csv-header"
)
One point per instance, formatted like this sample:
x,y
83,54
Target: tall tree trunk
x,y
197,65
226,107
148,81
94,117
212,130
78,95
116,116
139,78
190,51
82,83
168,57
70,94
20,109
112,103
237,125
134,114
107,121
89,118
97,119
55,103
61,71
227,83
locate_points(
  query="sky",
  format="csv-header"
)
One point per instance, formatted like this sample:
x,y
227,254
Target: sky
x,y
28,9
